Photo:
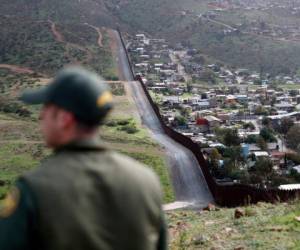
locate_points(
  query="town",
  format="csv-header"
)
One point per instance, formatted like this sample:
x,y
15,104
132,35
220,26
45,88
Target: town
x,y
246,124
217,10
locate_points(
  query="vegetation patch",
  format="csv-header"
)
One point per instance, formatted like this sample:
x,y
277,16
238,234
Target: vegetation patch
x,y
32,44
16,159
117,88
263,226
158,165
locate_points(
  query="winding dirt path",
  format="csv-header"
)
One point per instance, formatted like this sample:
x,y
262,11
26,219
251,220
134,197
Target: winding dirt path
x,y
60,38
57,35
21,142
17,69
100,36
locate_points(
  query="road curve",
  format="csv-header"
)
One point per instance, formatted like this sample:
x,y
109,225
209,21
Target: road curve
x,y
188,180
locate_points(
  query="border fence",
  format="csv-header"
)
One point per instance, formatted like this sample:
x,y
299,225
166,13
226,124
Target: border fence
x,y
228,195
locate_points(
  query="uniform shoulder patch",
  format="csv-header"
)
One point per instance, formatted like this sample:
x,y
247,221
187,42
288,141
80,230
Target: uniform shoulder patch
x,y
104,99
9,205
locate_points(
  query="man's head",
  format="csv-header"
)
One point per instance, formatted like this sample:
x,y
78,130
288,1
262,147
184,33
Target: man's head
x,y
75,103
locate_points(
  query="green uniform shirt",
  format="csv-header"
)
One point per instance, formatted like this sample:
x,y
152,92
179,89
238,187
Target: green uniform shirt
x,y
86,197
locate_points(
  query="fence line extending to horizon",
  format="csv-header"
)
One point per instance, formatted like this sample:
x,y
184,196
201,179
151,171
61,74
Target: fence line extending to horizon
x,y
228,195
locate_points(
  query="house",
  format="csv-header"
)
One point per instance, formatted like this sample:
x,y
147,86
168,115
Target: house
x,y
198,104
289,187
224,117
241,98
278,158
230,99
276,119
284,106
260,154
145,56
202,125
203,105
216,145
140,36
140,50
171,101
213,122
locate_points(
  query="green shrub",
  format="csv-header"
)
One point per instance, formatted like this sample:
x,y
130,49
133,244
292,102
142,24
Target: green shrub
x,y
123,122
17,108
111,123
251,139
129,128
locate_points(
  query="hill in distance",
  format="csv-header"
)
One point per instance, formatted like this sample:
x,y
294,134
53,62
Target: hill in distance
x,y
199,24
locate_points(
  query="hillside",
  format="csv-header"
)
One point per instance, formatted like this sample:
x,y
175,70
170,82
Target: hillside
x,y
45,46
232,34
69,11
264,226
260,41
37,39
22,147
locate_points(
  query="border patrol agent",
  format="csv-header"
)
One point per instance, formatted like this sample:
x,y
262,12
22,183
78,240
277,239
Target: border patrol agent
x,y
84,196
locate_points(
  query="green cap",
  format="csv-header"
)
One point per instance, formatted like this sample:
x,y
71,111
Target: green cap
x,y
77,90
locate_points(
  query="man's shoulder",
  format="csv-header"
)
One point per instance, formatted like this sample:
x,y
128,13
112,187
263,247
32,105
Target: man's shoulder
x,y
46,167
107,158
110,164
131,165
134,171
133,175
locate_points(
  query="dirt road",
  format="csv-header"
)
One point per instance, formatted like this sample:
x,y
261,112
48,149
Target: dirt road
x,y
16,69
100,37
60,38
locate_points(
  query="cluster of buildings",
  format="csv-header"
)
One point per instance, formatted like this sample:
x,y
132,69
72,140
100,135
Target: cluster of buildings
x,y
171,74
279,31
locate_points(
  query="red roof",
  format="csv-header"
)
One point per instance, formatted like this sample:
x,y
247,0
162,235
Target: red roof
x,y
278,154
201,121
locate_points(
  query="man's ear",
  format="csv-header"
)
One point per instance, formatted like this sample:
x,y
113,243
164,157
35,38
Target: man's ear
x,y
66,119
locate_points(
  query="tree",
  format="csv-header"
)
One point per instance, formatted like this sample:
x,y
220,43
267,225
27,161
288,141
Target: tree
x,y
251,139
295,175
285,125
208,76
214,159
260,110
264,166
293,138
267,135
199,59
189,86
180,120
234,157
262,172
231,137
261,143
185,112
249,126
273,101
266,121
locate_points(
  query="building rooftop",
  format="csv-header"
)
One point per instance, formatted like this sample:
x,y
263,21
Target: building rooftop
x,y
261,154
275,117
289,187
